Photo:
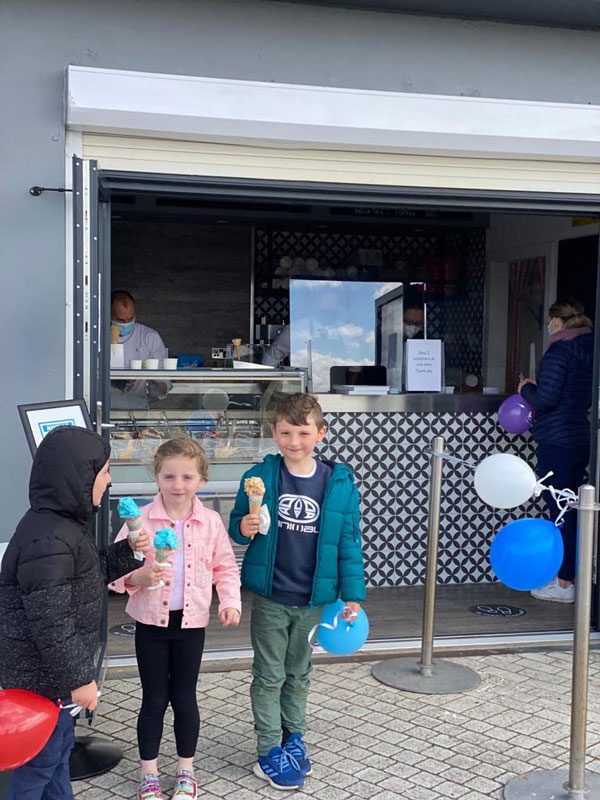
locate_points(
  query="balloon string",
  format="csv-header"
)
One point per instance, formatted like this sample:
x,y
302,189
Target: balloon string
x,y
455,459
75,709
565,499
332,626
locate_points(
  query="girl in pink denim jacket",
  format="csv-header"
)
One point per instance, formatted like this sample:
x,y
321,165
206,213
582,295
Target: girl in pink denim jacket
x,y
171,608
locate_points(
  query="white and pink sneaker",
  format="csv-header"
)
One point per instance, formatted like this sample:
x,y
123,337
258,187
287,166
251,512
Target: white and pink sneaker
x,y
555,593
186,787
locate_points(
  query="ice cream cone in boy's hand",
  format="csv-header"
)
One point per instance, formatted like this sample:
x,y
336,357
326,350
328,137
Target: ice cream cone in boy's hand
x,y
130,514
165,541
255,489
114,334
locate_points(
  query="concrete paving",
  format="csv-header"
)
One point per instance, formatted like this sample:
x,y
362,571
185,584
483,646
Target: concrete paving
x,y
369,741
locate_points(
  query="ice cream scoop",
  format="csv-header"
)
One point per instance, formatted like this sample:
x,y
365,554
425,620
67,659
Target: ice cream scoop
x,y
129,512
255,489
165,541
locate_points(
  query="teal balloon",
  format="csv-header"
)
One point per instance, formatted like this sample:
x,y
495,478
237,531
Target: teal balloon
x,y
527,553
347,637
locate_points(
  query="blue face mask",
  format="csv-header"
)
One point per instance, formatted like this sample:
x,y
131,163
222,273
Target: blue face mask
x,y
125,328
549,329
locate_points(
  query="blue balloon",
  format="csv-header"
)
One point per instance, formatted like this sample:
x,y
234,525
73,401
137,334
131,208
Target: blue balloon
x,y
346,637
527,553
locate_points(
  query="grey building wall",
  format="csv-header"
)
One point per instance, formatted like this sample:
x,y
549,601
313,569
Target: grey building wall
x,y
248,39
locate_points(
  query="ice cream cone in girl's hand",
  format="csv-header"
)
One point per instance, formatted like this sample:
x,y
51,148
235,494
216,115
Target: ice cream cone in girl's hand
x,y
255,489
165,541
130,514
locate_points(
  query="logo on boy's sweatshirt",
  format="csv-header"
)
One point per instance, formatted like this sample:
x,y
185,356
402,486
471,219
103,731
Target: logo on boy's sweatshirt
x,y
297,512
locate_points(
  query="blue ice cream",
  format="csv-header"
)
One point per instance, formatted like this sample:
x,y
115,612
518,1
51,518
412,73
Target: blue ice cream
x,y
128,508
165,539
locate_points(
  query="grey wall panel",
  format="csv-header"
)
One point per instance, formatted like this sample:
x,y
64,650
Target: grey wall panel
x,y
249,39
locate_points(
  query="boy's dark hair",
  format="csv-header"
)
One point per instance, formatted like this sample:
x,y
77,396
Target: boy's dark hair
x,y
297,408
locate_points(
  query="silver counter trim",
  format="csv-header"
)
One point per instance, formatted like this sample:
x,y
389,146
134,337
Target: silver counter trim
x,y
150,488
411,403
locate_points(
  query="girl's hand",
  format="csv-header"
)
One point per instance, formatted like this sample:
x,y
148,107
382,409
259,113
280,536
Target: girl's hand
x,y
86,696
350,611
141,543
249,526
147,576
229,616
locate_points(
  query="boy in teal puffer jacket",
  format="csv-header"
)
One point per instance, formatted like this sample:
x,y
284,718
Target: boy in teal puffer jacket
x,y
310,556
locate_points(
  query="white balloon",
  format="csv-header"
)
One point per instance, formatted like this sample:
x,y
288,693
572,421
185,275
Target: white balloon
x,y
504,481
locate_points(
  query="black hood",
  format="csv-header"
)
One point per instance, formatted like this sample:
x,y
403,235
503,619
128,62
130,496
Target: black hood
x,y
64,470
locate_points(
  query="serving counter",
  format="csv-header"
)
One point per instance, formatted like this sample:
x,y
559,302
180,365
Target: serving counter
x,y
385,439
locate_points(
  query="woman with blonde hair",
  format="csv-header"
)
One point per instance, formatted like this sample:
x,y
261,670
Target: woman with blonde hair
x,y
561,398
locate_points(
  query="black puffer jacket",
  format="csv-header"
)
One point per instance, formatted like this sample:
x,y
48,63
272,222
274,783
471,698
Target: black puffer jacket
x,y
52,576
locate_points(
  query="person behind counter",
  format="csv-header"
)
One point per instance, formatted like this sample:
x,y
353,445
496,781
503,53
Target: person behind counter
x,y
561,398
413,322
139,341
279,349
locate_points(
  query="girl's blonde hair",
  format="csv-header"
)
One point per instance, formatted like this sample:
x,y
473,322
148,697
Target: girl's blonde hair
x,y
571,315
182,447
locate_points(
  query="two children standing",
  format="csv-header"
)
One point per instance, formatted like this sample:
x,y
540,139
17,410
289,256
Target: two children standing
x,y
309,556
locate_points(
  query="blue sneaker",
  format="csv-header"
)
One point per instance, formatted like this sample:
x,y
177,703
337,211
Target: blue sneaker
x,y
281,770
294,746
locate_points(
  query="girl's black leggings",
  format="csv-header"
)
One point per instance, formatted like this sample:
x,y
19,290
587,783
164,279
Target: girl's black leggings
x,y
169,662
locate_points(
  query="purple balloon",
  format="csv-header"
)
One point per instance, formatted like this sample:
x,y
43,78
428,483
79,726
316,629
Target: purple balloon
x,y
515,414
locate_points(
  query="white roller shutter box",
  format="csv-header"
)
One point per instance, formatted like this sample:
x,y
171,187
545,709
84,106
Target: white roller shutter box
x,y
176,157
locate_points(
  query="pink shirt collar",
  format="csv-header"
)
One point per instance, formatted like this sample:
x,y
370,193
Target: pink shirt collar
x,y
157,510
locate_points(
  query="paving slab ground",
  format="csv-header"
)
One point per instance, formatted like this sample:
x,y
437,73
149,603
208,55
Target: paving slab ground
x,y
370,741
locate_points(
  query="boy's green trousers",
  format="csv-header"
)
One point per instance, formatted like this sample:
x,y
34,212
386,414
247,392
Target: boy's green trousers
x,y
281,668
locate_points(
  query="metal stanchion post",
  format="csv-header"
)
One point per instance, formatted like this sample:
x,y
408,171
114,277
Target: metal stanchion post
x,y
425,676
559,784
433,541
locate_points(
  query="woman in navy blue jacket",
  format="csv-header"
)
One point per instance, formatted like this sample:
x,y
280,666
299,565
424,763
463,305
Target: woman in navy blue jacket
x,y
561,399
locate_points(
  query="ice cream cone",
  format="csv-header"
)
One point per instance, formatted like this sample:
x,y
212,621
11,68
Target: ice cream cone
x,y
254,503
114,334
130,514
161,556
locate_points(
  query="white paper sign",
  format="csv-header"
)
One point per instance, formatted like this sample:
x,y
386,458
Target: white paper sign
x,y
424,362
117,356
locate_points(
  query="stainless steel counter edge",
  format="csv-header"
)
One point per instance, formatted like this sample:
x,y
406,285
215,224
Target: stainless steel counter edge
x,y
150,488
411,403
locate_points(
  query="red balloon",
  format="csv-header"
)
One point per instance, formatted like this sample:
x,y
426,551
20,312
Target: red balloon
x,y
26,723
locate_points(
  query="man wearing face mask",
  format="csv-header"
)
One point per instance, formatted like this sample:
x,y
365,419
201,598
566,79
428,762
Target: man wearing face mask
x,y
414,319
139,342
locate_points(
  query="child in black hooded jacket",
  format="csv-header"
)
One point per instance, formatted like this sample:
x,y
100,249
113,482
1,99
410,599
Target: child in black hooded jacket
x,y
52,582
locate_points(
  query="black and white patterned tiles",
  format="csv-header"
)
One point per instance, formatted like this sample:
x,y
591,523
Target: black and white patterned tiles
x,y
387,454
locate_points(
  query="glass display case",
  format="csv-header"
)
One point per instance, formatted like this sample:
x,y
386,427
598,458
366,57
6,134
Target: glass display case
x,y
226,410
